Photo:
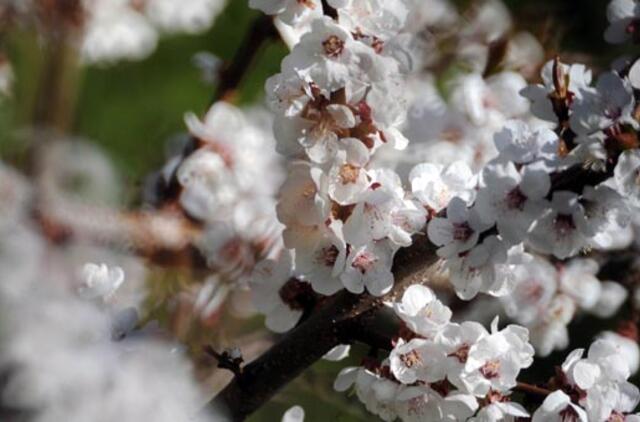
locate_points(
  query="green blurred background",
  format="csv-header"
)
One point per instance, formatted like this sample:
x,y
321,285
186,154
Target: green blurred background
x,y
131,109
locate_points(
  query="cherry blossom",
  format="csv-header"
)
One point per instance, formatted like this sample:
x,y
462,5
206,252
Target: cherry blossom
x,y
435,186
622,16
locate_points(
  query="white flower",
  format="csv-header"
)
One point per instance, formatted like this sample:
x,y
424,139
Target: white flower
x,y
369,266
623,16
604,208
300,200
557,407
551,333
100,281
611,102
271,283
421,310
422,403
191,16
320,258
603,363
458,232
486,268
535,285
512,199
347,177
500,411
291,12
329,56
628,349
115,31
288,94
294,414
578,280
417,360
378,18
435,185
384,213
562,230
627,176
456,340
495,361
612,296
579,77
522,144
612,402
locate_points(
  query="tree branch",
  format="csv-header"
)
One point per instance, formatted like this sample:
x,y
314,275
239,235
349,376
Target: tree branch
x,y
335,323
234,72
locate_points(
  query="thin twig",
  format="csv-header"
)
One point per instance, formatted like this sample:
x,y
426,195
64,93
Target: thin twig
x,y
232,75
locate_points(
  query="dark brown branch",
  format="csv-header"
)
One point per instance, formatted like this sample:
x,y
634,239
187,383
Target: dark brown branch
x,y
233,72
335,323
532,389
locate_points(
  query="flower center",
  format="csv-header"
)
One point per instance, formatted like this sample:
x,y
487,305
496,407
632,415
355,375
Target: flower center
x,y
349,174
569,414
363,262
564,224
491,369
333,46
411,359
616,417
462,231
462,354
516,199
328,255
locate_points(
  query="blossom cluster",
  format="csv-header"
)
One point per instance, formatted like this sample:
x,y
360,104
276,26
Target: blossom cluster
x,y
442,370
63,324
228,185
338,104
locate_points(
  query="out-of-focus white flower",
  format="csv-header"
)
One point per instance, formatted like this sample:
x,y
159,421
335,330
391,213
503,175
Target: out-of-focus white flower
x,y
520,143
115,32
191,16
623,18
100,281
294,414
611,102
435,186
534,287
612,296
627,176
562,230
291,12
